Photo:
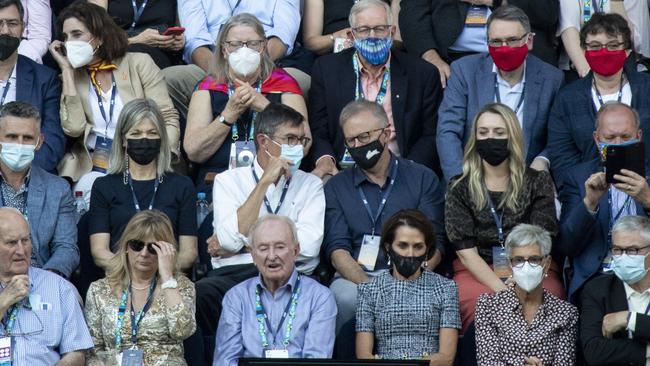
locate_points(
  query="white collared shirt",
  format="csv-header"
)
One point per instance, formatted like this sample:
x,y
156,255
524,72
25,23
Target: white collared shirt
x,y
625,98
11,93
510,95
99,125
304,204
637,303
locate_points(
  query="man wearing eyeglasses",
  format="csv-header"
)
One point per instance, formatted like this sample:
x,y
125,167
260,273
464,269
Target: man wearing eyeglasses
x,y
615,319
606,41
591,206
42,322
272,185
361,198
406,87
506,74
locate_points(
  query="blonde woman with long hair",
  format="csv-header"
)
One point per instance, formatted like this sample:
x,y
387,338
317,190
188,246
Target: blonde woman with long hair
x,y
496,192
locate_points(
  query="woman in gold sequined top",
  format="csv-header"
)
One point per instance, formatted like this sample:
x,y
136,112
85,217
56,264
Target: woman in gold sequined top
x,y
143,309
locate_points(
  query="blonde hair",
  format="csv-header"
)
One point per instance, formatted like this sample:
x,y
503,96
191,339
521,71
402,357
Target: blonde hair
x,y
473,164
143,226
221,70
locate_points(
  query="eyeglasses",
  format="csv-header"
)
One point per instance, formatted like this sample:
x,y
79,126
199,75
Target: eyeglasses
x,y
379,31
28,332
363,138
629,251
510,42
254,44
611,46
137,245
10,23
535,260
293,140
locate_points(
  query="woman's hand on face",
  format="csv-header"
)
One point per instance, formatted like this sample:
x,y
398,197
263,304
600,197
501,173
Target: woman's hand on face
x,y
57,51
258,101
166,259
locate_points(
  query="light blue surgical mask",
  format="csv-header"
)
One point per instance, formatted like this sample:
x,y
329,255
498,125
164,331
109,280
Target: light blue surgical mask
x,y
293,153
17,156
629,268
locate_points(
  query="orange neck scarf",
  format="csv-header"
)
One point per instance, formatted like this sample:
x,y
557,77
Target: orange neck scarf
x,y
99,66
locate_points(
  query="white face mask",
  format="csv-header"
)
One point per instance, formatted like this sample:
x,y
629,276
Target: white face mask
x,y
527,276
244,61
79,53
17,156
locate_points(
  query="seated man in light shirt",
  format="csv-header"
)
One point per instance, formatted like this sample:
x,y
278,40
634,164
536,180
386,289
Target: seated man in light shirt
x,y
280,313
42,322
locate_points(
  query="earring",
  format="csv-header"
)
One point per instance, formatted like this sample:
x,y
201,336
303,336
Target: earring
x,y
125,175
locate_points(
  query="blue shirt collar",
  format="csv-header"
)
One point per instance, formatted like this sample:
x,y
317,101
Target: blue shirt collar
x,y
291,283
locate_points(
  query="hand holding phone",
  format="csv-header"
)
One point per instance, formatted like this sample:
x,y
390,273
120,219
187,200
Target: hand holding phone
x,y
173,31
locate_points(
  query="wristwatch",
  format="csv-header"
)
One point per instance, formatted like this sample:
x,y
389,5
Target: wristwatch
x,y
222,119
170,283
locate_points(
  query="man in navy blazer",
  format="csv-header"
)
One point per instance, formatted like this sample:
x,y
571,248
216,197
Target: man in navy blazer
x,y
412,98
587,214
43,198
24,80
480,79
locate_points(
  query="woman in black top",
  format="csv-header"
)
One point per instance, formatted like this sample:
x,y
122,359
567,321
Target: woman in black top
x,y
145,31
140,178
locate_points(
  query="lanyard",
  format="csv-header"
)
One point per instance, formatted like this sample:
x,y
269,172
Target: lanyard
x,y
382,89
25,192
289,314
5,91
382,204
11,319
498,220
112,105
266,201
497,94
156,183
614,218
251,125
619,96
137,12
135,319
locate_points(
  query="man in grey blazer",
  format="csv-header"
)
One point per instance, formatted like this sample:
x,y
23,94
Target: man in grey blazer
x,y
507,74
44,199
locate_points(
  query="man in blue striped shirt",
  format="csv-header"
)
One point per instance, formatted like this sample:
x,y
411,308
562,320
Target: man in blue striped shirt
x,y
35,304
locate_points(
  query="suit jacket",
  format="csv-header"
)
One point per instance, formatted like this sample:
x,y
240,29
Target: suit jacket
x,y
604,295
52,223
572,122
137,76
415,97
436,24
583,237
471,86
40,86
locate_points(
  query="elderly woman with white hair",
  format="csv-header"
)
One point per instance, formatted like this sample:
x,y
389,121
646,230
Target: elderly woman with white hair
x,y
525,324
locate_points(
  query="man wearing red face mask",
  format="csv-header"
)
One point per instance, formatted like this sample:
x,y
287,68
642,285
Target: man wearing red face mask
x,y
506,74
607,42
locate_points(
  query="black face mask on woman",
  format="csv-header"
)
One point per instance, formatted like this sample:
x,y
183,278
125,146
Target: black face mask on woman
x,y
143,151
406,266
493,151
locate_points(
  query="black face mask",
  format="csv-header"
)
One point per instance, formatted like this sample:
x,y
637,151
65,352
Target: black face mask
x,y
8,45
494,151
143,151
406,266
368,155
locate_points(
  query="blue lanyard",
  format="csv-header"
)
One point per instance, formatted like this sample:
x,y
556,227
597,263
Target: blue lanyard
x,y
382,204
156,183
381,95
112,105
289,314
135,319
619,96
5,91
266,201
614,218
497,94
251,125
498,220
137,12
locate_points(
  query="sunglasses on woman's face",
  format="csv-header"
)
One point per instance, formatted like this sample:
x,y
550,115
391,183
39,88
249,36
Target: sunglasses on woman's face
x,y
137,245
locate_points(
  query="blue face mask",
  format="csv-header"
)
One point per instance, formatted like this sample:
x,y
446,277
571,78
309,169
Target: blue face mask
x,y
374,50
629,268
292,153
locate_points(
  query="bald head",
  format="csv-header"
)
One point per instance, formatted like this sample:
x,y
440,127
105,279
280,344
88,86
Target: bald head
x,y
617,123
10,216
15,244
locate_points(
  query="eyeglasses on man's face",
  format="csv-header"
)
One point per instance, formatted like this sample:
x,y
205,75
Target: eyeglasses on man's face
x,y
510,42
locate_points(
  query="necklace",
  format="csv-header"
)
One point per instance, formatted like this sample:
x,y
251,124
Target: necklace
x,y
140,288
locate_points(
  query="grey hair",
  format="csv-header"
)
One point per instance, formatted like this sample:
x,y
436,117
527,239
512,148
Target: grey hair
x,y
358,106
20,109
633,223
509,13
273,116
613,104
366,4
271,217
220,68
525,234
132,114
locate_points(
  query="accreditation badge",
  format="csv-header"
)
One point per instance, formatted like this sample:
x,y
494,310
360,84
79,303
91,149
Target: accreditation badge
x,y
369,252
276,353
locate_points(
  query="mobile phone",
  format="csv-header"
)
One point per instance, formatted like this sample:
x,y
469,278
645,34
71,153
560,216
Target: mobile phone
x,y
630,157
173,31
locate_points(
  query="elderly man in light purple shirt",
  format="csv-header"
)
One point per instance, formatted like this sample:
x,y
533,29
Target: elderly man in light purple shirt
x,y
280,314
